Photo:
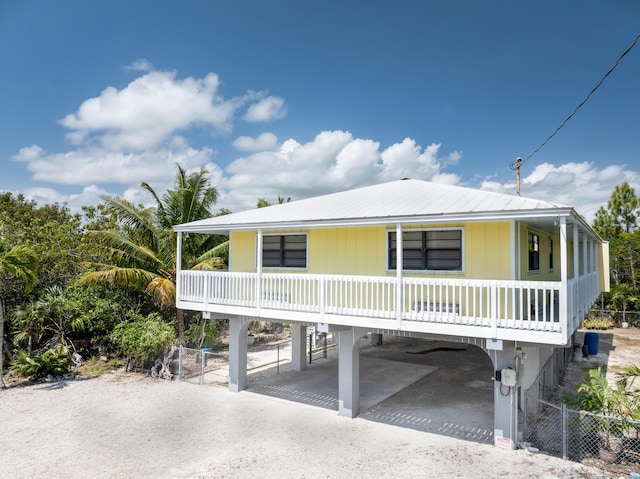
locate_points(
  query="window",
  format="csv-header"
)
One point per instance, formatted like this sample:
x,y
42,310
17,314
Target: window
x,y
534,252
438,250
284,251
550,253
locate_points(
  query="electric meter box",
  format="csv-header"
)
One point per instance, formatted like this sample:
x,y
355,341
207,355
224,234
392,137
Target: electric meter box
x,y
509,378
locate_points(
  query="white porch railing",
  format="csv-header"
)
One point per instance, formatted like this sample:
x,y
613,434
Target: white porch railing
x,y
515,305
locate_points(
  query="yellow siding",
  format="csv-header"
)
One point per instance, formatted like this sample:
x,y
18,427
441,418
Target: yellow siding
x,y
363,250
487,250
242,256
603,266
359,251
545,273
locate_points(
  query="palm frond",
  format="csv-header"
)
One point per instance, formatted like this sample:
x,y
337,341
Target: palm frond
x,y
163,291
128,277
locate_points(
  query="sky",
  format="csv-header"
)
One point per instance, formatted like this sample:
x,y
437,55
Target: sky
x,y
295,99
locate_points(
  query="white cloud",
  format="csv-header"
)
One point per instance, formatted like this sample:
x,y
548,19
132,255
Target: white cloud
x,y
97,165
332,161
267,109
28,153
149,110
140,65
582,186
263,142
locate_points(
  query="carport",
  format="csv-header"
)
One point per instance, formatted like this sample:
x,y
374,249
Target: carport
x,y
424,384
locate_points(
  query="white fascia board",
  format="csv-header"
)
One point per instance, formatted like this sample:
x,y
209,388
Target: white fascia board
x,y
380,221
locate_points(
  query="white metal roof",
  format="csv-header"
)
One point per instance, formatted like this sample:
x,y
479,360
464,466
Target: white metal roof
x,y
404,201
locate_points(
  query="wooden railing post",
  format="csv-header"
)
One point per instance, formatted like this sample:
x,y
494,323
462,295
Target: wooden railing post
x,y
493,294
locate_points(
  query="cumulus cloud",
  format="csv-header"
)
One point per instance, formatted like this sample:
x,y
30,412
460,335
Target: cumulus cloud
x,y
267,109
583,185
138,133
263,142
140,65
332,161
149,110
96,165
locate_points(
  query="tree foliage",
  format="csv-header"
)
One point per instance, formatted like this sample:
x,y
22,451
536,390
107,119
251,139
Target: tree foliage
x,y
141,337
617,223
139,250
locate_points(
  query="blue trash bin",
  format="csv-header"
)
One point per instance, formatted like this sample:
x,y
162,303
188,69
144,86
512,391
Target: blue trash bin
x,y
591,341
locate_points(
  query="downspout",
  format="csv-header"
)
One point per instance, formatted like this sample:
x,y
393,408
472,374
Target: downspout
x,y
178,268
399,267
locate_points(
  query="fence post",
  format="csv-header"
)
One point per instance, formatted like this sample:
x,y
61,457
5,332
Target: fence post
x,y
202,353
525,407
565,432
180,366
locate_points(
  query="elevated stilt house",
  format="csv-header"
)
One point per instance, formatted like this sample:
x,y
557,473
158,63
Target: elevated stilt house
x,y
513,276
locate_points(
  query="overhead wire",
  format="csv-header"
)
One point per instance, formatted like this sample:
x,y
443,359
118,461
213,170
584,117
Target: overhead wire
x,y
517,163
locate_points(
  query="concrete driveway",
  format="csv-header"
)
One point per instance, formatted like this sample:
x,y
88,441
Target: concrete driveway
x,y
433,386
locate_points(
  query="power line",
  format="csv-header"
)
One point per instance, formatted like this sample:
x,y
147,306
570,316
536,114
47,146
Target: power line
x,y
517,163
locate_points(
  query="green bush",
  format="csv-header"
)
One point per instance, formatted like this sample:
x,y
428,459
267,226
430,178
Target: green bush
x,y
55,362
141,337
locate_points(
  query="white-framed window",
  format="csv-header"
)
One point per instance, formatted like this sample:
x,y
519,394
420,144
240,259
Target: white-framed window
x,y
427,249
551,254
534,251
284,250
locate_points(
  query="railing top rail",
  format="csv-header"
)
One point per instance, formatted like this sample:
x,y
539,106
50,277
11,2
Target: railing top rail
x,y
412,280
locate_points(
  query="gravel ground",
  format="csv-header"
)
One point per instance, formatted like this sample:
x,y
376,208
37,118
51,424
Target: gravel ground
x,y
130,426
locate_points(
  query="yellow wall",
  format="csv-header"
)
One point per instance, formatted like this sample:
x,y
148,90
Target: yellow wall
x,y
488,250
363,250
603,266
545,273
242,255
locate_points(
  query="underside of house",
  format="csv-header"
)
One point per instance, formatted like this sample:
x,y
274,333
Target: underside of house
x,y
510,275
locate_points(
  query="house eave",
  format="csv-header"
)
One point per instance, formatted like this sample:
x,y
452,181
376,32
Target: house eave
x,y
550,213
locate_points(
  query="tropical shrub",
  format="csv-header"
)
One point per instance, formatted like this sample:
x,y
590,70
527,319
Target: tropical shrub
x,y
54,362
596,322
141,337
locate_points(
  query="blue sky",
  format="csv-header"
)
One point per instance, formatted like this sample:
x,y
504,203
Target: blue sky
x,y
297,98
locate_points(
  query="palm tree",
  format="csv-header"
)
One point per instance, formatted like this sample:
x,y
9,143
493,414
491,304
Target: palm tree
x,y
15,262
141,254
29,326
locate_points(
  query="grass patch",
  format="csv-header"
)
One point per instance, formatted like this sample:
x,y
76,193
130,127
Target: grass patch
x,y
598,323
96,367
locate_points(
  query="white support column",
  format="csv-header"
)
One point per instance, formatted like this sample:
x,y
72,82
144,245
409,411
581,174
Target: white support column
x,y
577,299
564,275
298,347
238,329
178,269
259,271
514,249
585,257
584,290
349,371
505,403
399,267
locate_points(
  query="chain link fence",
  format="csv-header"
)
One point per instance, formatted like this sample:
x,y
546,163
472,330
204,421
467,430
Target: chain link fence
x,y
551,427
584,437
203,365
